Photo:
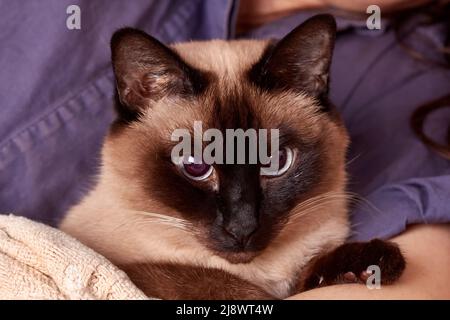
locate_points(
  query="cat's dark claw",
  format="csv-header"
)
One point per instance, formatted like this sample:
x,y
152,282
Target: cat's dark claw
x,y
349,263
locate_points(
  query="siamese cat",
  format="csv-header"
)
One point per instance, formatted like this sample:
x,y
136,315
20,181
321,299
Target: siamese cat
x,y
227,231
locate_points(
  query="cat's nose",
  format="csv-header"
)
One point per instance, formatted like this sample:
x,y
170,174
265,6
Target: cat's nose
x,y
241,233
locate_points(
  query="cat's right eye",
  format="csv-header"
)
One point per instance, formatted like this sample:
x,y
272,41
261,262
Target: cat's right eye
x,y
285,160
195,171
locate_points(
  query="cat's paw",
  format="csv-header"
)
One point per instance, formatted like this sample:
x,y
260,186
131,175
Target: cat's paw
x,y
385,255
349,263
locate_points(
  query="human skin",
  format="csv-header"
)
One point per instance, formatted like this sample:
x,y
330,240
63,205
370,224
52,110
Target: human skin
x,y
427,275
253,13
258,7
361,5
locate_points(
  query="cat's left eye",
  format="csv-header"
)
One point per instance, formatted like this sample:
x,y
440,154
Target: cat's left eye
x,y
285,159
195,171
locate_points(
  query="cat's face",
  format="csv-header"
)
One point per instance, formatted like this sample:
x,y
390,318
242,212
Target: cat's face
x,y
235,210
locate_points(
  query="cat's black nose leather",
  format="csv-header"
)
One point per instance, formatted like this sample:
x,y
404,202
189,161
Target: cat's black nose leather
x,y
241,232
238,204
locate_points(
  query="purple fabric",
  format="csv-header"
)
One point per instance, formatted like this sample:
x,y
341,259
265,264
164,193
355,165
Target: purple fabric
x,y
56,88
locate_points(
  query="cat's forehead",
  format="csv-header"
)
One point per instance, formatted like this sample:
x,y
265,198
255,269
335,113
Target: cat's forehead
x,y
228,59
247,108
231,100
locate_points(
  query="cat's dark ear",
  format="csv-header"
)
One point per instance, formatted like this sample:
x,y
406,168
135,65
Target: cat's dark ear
x,y
146,70
301,60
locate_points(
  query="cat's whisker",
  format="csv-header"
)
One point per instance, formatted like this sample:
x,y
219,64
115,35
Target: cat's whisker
x,y
307,201
145,217
320,198
316,203
353,226
311,205
351,197
122,225
301,214
134,221
304,208
165,223
360,200
353,159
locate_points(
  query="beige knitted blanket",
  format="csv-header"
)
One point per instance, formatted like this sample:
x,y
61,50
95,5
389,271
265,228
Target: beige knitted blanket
x,y
40,262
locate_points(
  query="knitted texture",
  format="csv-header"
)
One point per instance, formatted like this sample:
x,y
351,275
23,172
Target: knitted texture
x,y
40,262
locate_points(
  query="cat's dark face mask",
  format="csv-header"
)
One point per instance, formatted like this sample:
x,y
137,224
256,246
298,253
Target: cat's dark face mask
x,y
235,210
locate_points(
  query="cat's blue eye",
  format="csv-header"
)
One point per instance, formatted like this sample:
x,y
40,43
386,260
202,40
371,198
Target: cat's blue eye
x,y
196,171
285,159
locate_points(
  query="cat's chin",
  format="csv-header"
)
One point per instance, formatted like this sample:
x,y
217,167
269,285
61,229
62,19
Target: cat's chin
x,y
238,257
